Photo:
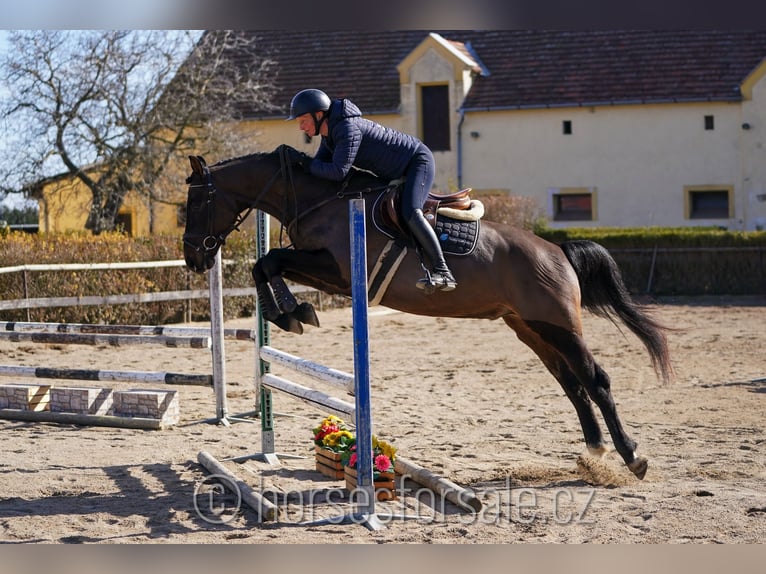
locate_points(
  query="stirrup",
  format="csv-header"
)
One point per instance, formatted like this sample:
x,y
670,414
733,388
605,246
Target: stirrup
x,y
437,281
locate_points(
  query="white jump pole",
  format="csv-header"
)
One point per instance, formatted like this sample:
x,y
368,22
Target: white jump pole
x,y
215,278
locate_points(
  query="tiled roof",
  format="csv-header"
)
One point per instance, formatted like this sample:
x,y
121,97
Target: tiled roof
x,y
527,68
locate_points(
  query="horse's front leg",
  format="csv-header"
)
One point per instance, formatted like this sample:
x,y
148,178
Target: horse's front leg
x,y
268,304
311,266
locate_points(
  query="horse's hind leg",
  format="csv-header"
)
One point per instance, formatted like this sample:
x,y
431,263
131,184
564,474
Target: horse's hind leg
x,y
595,380
594,439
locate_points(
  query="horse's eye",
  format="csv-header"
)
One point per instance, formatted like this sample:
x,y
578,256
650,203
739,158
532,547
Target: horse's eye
x,y
196,200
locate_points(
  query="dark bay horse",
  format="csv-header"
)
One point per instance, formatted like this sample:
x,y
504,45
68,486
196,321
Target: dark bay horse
x,y
538,288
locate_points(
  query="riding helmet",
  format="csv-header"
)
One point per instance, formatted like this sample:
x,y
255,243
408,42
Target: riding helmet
x,y
308,102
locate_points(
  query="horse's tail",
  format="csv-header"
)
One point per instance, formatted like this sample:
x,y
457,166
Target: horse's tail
x,y
603,293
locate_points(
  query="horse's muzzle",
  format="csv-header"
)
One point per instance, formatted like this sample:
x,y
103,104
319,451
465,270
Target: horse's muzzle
x,y
198,260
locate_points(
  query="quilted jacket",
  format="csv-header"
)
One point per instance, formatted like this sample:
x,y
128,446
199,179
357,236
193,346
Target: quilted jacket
x,y
354,140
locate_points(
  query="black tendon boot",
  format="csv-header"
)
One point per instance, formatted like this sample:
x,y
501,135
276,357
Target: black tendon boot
x,y
441,277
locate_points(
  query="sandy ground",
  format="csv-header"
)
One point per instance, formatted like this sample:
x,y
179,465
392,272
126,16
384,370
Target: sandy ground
x,y
462,397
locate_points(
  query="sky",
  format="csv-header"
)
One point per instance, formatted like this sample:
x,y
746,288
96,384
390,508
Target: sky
x,y
11,201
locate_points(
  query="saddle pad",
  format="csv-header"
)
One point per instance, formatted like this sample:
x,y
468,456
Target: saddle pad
x,y
457,237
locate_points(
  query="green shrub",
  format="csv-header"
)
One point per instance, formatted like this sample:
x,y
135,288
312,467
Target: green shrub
x,y
22,248
681,261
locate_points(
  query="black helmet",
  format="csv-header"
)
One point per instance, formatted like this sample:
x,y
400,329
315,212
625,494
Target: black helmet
x,y
308,102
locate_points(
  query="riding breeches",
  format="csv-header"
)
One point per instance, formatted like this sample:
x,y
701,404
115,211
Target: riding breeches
x,y
419,179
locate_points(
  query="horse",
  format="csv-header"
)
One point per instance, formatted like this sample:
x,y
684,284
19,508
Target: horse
x,y
538,288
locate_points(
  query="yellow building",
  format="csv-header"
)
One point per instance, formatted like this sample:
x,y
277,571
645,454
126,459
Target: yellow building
x,y
64,204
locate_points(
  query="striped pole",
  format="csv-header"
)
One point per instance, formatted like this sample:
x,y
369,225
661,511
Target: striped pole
x,y
109,340
103,375
146,330
263,394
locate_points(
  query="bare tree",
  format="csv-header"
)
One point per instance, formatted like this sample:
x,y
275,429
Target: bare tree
x,y
115,109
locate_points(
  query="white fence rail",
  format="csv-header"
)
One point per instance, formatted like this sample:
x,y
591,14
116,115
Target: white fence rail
x,y
159,296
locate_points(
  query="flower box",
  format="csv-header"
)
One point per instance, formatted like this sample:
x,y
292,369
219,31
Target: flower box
x,y
328,462
385,488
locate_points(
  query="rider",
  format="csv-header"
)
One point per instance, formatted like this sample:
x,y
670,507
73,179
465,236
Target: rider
x,y
348,139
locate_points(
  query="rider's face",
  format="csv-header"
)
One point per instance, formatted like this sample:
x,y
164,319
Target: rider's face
x,y
306,124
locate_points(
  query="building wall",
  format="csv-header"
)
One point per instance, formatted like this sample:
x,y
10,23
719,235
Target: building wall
x,y
65,206
753,145
637,158
268,134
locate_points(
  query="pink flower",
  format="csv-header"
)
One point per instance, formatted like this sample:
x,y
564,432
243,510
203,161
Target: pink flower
x,y
382,463
352,461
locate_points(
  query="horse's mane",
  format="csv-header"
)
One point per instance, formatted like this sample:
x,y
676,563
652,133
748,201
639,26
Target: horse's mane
x,y
254,155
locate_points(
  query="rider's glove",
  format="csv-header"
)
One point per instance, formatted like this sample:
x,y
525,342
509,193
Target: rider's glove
x,y
295,157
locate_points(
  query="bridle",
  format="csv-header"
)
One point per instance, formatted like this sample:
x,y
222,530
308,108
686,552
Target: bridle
x,y
212,241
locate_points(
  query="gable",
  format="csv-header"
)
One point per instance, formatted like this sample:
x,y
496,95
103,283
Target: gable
x,y
752,79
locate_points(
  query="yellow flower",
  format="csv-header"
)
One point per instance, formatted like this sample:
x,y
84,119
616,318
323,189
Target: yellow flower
x,y
334,438
383,447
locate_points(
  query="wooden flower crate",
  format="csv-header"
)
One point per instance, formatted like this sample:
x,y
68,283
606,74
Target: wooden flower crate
x,y
328,462
385,487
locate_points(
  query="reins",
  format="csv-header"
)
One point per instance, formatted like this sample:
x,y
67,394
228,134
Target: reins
x,y
342,193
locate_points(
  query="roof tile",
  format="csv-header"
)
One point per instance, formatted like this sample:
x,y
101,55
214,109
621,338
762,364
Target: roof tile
x,y
527,68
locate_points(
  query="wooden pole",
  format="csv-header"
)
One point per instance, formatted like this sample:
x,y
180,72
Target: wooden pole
x,y
83,419
456,494
266,509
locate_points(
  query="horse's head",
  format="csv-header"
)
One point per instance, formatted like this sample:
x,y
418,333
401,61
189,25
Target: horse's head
x,y
209,218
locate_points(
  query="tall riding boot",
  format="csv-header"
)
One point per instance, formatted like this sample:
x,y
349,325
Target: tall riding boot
x,y
441,277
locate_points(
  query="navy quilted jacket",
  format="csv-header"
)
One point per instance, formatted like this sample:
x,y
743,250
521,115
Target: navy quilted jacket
x,y
354,140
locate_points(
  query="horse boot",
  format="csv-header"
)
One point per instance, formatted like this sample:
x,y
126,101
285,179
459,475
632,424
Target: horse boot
x,y
440,278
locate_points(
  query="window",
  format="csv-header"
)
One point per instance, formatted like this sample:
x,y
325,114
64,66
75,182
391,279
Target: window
x,y
708,202
567,127
572,204
709,123
434,112
124,222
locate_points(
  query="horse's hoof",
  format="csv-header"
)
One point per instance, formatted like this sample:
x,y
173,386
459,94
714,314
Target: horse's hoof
x,y
289,323
305,314
639,467
597,451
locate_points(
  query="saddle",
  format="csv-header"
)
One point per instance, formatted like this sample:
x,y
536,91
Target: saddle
x,y
454,217
389,207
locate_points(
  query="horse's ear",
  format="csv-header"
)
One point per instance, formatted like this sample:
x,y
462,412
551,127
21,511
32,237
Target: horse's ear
x,y
197,164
